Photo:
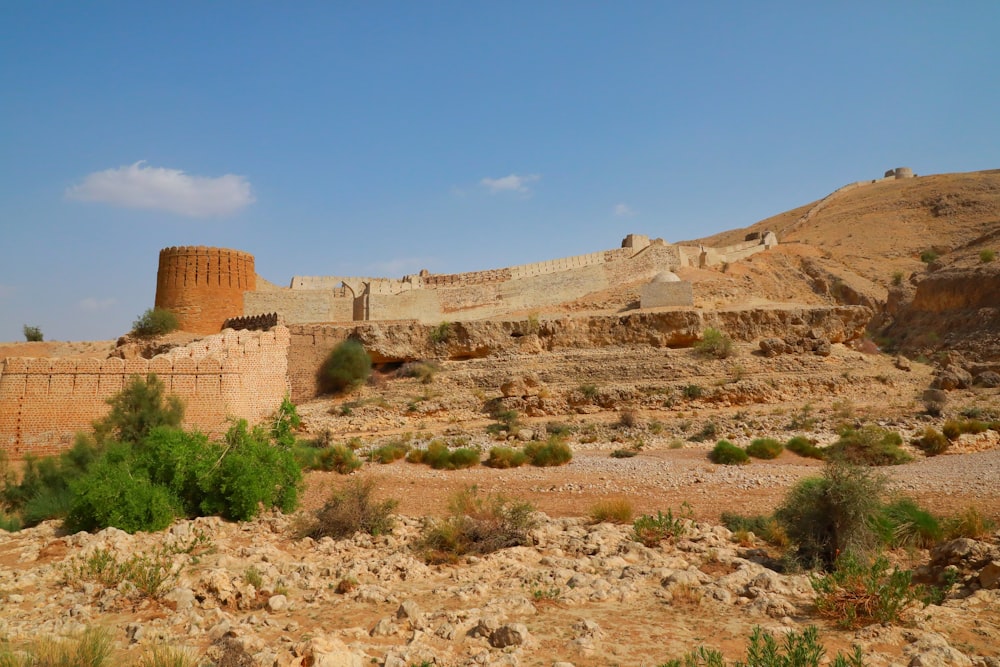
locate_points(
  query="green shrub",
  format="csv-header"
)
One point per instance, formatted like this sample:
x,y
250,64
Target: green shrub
x,y
869,445
832,515
804,447
94,648
714,343
692,391
553,452
727,453
707,432
855,594
987,256
44,490
765,448
389,453
903,523
897,278
353,509
477,524
616,510
463,457
505,457
440,457
114,493
627,419
347,367
32,334
796,650
558,428
589,391
970,523
932,442
928,256
9,522
624,453
154,322
338,458
765,527
442,333
137,409
651,530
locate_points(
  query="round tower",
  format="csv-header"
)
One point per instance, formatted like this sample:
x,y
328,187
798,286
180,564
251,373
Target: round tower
x,y
204,286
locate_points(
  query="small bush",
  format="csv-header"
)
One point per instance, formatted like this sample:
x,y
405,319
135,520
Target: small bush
x,y
707,432
508,421
836,514
714,343
897,278
505,457
804,447
727,453
765,448
553,452
932,442
440,457
627,419
951,429
928,256
987,256
94,648
765,527
441,333
797,650
338,458
161,655
115,493
353,509
421,370
624,453
856,595
692,391
559,428
154,322
589,391
618,510
137,409
905,524
969,523
347,367
869,445
32,334
651,530
477,524
389,453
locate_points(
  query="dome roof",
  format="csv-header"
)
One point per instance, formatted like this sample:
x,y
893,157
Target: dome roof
x,y
665,277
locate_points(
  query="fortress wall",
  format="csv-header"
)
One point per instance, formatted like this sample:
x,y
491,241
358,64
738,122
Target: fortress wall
x,y
203,286
568,263
309,344
736,255
336,305
421,305
644,265
44,402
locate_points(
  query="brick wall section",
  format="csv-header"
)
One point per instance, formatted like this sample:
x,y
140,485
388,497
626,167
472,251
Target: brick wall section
x,y
204,286
44,402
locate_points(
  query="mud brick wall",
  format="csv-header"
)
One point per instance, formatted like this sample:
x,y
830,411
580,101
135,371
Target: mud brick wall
x,y
204,286
44,402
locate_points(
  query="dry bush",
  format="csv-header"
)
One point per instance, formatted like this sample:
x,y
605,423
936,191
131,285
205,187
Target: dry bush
x,y
477,524
613,510
353,509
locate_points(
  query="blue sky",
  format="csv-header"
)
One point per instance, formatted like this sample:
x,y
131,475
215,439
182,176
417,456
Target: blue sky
x,y
381,138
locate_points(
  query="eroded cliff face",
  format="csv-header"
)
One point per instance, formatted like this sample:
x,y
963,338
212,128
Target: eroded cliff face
x,y
388,343
956,308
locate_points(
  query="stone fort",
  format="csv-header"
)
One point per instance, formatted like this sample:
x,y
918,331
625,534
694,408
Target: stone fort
x,y
261,342
205,287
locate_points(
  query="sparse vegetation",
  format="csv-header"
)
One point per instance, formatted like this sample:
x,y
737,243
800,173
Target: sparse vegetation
x,y
154,322
726,453
715,343
627,419
765,527
505,457
970,523
932,442
477,524
421,370
441,457
347,367
869,445
855,594
651,530
91,649
764,448
903,523
692,391
707,432
442,333
552,452
337,458
986,256
804,447
796,650
389,452
353,509
897,278
32,334
928,256
614,510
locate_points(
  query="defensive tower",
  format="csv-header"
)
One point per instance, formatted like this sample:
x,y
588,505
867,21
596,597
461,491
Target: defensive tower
x,y
204,286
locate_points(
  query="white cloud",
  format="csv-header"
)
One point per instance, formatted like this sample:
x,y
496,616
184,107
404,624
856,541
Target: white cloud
x,y
623,211
91,304
140,186
510,183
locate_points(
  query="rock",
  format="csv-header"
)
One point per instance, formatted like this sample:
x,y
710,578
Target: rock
x,y
512,634
525,435
822,347
987,379
183,598
384,627
327,651
277,602
903,364
989,576
408,610
772,347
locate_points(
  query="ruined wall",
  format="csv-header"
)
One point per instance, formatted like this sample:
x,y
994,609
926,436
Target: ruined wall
x,y
333,305
44,402
661,295
204,286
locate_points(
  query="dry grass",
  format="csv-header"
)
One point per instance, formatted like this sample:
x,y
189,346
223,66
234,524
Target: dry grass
x,y
612,510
